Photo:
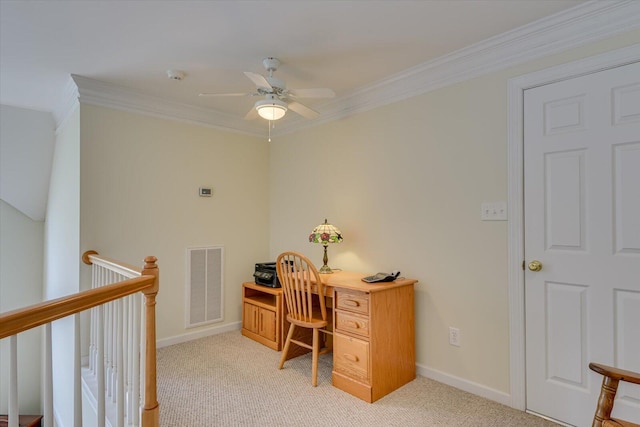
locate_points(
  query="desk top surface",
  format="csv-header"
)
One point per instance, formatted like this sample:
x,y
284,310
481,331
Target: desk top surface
x,y
353,280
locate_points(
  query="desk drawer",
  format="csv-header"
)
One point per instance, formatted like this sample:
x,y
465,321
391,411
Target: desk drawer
x,y
351,357
358,302
352,323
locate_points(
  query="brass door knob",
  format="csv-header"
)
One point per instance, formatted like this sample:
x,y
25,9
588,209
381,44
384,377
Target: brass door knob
x,y
535,265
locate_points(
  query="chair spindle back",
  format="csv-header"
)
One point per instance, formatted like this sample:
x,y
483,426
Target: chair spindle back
x,y
298,278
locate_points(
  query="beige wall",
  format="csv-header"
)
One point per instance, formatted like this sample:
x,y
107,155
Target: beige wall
x,y
139,197
21,242
404,183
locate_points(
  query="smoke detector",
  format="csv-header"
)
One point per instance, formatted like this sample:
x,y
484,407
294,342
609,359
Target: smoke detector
x,y
175,74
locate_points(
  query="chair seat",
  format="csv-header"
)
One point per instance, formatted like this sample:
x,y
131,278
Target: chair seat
x,y
618,423
313,323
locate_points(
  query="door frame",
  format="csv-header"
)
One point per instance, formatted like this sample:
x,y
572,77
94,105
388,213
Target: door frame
x,y
515,196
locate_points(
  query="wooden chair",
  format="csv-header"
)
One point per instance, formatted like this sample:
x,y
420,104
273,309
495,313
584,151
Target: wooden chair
x,y
305,309
612,376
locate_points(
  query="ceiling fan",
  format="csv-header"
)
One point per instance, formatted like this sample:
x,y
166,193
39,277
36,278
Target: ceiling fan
x,y
277,98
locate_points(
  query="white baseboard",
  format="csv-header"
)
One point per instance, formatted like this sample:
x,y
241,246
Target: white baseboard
x,y
215,330
466,385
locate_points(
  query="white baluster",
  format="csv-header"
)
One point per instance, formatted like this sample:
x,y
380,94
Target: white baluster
x,y
13,381
48,377
114,350
129,353
143,349
107,348
114,343
77,380
92,324
124,366
135,372
92,349
119,366
100,367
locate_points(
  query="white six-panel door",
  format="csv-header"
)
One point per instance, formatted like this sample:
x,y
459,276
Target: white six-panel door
x,y
582,222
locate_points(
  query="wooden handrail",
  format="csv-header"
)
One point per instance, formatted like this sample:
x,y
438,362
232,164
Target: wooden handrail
x,y
127,270
16,321
145,281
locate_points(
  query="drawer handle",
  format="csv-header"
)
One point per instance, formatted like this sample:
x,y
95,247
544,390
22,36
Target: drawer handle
x,y
350,357
351,303
353,324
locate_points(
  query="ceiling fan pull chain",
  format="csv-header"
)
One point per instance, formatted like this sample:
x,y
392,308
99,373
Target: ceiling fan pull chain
x,y
270,130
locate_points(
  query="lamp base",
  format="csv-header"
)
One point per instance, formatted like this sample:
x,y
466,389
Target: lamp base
x,y
325,270
325,259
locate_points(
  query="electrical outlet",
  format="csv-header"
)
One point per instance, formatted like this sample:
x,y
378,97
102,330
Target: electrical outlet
x,y
454,336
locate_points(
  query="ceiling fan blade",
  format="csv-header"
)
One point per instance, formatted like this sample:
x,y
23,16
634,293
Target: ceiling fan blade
x,y
312,93
252,114
303,110
258,79
225,94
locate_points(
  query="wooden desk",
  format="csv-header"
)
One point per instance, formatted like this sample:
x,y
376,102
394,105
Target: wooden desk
x,y
374,333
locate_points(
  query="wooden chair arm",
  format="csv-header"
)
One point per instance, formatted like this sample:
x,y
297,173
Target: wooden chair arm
x,y
615,373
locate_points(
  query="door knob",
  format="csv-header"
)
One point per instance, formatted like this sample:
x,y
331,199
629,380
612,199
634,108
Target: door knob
x,y
535,265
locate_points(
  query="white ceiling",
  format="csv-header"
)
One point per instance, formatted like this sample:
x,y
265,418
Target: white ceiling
x,y
343,45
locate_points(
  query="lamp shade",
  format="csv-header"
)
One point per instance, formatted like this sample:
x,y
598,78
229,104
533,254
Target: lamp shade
x,y
325,234
271,109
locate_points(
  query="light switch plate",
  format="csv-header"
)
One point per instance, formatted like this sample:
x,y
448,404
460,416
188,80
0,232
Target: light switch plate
x,y
494,211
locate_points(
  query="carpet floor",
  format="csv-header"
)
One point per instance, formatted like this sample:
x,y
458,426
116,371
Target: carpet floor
x,y
230,380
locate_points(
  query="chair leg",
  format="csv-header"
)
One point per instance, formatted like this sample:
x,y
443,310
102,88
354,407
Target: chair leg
x,y
314,354
285,350
605,401
327,340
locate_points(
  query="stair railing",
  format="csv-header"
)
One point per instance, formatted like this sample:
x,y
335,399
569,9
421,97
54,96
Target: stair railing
x,y
114,336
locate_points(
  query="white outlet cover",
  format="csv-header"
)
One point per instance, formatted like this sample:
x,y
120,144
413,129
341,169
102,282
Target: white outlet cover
x,y
454,336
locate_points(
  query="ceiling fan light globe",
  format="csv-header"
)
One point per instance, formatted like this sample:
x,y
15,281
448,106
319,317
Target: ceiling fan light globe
x,y
271,109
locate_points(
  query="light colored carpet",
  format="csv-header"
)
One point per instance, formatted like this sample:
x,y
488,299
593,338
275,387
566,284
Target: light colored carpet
x,y
230,380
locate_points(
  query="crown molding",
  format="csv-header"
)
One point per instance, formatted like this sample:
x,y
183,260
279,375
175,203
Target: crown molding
x,y
96,92
69,102
575,27
589,22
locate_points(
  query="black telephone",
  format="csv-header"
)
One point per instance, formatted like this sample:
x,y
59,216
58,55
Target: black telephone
x,y
382,277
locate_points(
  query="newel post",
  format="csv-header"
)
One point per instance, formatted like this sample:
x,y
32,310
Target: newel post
x,y
150,410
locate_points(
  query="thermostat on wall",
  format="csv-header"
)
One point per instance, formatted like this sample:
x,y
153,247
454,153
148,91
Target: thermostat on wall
x,y
205,192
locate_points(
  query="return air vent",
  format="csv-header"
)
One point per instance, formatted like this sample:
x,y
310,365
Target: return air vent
x,y
204,286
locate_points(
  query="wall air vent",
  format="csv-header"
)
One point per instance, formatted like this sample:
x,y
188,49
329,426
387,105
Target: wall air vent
x,y
204,286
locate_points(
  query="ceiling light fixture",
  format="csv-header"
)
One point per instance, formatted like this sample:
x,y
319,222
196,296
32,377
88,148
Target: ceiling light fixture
x,y
271,108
